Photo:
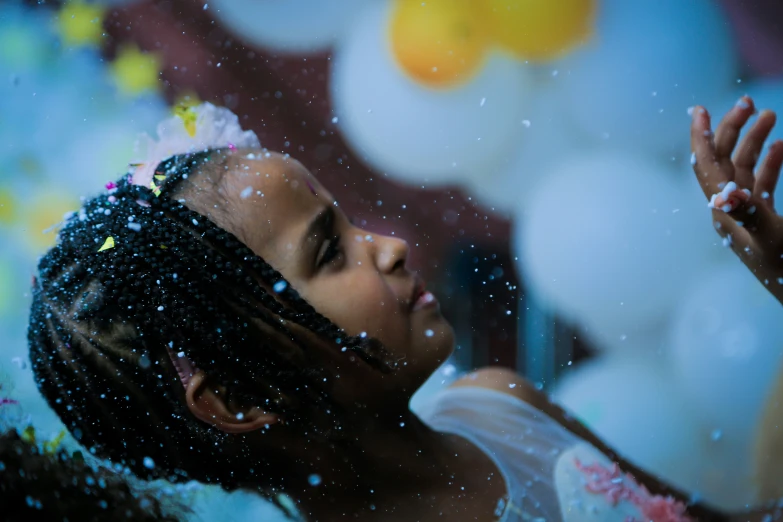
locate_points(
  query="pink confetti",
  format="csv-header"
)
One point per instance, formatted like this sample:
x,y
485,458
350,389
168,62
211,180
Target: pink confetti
x,y
232,147
616,487
112,199
4,401
111,185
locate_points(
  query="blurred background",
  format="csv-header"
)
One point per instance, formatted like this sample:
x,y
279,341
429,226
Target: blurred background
x,y
535,154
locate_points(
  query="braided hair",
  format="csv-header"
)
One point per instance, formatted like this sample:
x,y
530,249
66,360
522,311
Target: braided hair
x,y
39,486
137,275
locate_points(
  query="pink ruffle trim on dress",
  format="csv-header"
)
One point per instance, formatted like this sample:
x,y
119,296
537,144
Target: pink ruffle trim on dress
x,y
615,486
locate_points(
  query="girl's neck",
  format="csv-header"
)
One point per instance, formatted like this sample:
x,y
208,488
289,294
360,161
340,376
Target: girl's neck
x,y
407,471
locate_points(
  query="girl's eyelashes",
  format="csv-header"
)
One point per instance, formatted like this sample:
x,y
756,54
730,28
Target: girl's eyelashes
x,y
332,248
331,252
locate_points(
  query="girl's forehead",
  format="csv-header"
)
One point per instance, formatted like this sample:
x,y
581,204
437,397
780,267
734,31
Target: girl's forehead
x,y
275,174
274,198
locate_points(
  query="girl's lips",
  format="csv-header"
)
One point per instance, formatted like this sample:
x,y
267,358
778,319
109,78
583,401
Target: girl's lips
x,y
426,299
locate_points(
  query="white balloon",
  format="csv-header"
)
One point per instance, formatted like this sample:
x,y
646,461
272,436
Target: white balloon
x,y
632,405
546,134
727,347
414,133
650,340
292,26
647,64
608,240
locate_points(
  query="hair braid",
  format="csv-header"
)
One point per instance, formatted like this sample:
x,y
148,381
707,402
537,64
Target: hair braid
x,y
41,486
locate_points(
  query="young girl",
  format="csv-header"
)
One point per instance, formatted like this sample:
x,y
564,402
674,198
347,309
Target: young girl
x,y
215,316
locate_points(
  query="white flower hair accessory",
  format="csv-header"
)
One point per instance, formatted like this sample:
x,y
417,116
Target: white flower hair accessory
x,y
191,129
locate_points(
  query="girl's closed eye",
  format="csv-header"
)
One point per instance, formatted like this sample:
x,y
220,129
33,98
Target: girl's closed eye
x,y
332,251
332,248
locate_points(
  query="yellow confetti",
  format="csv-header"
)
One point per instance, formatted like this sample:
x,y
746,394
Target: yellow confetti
x,y
160,177
135,71
80,24
109,243
188,117
164,247
50,447
155,188
28,435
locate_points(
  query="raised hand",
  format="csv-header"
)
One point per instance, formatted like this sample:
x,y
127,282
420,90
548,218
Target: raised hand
x,y
742,200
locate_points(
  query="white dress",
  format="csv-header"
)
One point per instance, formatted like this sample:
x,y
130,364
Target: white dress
x,y
551,474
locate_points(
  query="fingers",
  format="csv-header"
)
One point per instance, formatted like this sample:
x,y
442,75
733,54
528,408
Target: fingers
x,y
749,150
710,174
730,198
768,173
752,216
730,126
737,211
730,230
737,238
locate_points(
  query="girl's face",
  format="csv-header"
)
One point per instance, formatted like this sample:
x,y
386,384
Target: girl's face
x,y
359,280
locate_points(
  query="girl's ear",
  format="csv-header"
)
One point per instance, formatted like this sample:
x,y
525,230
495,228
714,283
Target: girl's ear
x,y
209,403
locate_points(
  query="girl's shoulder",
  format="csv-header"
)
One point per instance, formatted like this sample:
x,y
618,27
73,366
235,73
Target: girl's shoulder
x,y
497,397
503,380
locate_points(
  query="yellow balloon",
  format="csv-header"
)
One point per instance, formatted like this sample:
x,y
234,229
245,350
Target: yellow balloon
x,y
439,43
540,30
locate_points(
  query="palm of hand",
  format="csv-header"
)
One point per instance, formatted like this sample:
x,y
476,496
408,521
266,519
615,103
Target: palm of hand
x,y
743,203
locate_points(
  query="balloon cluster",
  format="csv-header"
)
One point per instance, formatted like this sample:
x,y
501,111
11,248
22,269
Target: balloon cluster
x,y
442,43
